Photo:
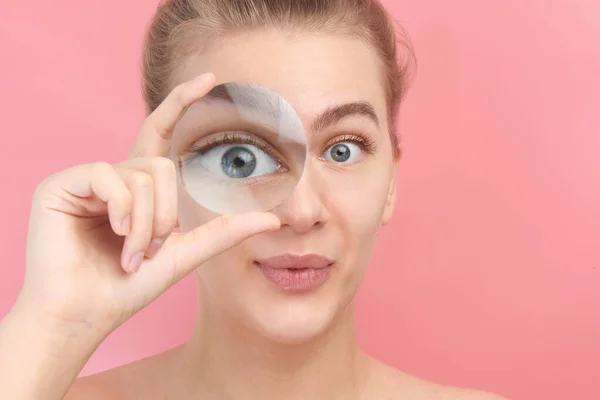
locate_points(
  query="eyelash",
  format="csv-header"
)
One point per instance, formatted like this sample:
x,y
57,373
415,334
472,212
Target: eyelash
x,y
232,138
228,138
365,143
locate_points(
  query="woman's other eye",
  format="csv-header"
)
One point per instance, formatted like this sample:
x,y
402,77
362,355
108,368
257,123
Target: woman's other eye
x,y
236,161
342,152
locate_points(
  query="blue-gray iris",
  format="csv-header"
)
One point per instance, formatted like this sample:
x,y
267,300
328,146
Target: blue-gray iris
x,y
340,153
238,162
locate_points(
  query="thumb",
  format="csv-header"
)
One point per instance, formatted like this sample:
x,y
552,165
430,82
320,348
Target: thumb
x,y
184,252
205,242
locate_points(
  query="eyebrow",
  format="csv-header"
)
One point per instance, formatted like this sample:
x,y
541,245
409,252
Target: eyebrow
x,y
335,114
246,96
329,117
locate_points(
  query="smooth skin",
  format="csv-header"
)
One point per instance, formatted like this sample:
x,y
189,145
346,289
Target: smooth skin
x,y
83,278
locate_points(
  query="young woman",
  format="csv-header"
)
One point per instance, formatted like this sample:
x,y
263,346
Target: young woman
x,y
101,244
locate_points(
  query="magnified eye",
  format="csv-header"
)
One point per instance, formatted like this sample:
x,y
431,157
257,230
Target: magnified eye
x,y
342,152
237,161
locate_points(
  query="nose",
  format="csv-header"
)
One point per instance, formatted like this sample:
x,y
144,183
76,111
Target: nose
x,y
304,209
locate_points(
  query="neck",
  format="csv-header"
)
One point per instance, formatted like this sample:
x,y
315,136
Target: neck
x,y
226,360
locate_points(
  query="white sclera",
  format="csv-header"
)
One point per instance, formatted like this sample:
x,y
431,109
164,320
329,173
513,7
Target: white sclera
x,y
240,148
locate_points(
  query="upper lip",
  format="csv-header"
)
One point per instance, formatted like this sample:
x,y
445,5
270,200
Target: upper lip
x,y
284,261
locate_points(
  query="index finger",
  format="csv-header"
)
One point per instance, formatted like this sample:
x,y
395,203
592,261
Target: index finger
x,y
154,136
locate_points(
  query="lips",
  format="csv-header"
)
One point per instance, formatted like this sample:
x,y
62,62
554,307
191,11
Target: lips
x,y
295,273
290,261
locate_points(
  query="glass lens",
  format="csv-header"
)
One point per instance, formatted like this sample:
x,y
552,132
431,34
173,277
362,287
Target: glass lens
x,y
240,148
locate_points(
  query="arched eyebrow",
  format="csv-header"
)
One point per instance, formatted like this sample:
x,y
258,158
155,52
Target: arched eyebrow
x,y
327,118
335,114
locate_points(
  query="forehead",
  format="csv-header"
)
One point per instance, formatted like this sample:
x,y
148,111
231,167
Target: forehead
x,y
311,71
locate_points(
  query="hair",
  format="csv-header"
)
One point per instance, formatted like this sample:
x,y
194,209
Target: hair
x,y
170,37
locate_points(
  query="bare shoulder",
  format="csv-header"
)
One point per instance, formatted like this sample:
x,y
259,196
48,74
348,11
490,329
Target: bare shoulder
x,y
140,379
91,388
396,384
451,393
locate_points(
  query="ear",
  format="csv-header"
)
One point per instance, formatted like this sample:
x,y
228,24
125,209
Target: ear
x,y
390,204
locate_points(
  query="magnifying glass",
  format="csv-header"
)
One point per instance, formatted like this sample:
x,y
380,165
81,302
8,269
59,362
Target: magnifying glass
x,y
240,148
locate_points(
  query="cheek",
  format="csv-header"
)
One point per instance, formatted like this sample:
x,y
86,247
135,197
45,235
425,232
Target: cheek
x,y
356,202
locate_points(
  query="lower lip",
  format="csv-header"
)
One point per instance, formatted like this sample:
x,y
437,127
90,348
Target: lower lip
x,y
297,280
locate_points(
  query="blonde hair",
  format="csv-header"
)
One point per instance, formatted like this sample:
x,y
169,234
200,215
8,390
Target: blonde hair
x,y
177,22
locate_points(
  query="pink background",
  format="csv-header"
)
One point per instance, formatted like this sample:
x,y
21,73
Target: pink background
x,y
489,276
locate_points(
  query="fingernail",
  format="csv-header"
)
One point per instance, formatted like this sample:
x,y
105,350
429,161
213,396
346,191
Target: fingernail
x,y
126,225
154,247
136,262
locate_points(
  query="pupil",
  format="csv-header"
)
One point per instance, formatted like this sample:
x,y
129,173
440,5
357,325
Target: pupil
x,y
238,162
340,152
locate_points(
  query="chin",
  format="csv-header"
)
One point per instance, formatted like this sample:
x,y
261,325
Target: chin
x,y
281,303
295,318
294,313
294,323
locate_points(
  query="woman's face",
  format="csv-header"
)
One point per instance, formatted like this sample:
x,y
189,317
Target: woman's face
x,y
334,212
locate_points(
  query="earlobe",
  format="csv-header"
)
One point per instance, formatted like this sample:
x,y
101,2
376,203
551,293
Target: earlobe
x,y
397,153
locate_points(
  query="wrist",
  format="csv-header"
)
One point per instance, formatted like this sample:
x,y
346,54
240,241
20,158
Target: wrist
x,y
38,360
49,335
61,331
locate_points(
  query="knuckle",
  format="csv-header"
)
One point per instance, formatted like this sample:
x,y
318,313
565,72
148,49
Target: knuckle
x,y
43,186
165,131
224,222
162,165
124,200
100,169
152,126
141,180
163,227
